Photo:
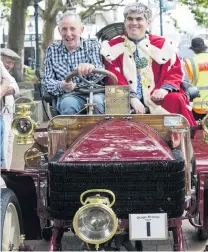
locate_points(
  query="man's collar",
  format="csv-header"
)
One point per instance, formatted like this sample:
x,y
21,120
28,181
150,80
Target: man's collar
x,y
136,41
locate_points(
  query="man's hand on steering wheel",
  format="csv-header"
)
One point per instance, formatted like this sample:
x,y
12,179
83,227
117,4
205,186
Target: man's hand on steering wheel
x,y
89,86
85,68
68,86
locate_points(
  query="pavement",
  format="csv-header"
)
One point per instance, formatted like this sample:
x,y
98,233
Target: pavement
x,y
71,243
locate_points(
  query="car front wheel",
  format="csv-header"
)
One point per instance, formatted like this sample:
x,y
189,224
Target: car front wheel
x,y
11,220
200,233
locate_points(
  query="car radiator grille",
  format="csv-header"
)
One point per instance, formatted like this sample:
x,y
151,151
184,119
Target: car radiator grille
x,y
139,187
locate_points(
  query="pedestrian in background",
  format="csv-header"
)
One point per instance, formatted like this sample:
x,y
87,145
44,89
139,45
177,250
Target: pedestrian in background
x,y
4,84
8,58
197,70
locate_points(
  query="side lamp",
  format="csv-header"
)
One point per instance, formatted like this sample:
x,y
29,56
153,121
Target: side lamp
x,y
95,222
23,125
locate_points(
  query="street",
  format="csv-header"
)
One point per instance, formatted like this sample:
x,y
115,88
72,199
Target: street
x,y
71,243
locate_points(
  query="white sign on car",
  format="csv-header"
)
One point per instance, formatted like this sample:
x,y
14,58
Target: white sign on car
x,y
148,226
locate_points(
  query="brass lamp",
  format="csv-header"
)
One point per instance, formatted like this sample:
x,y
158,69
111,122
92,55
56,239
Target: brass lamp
x,y
95,222
23,126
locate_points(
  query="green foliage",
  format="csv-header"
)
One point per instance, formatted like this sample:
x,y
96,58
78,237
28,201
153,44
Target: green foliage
x,y
6,8
199,9
29,74
7,3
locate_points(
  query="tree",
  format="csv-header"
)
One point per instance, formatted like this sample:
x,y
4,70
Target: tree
x,y
17,33
199,9
100,5
52,7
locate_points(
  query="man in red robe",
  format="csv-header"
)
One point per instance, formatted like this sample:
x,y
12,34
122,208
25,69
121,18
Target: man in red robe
x,y
148,64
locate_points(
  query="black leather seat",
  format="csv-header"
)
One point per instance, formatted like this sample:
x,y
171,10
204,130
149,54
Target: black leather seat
x,y
191,91
52,100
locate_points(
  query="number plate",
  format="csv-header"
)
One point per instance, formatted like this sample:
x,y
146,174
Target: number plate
x,y
171,121
148,226
117,100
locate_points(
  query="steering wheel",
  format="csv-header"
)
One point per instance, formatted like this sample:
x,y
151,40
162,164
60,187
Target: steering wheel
x,y
92,86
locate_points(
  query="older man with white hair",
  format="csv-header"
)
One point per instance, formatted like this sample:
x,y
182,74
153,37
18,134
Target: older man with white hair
x,y
73,52
8,58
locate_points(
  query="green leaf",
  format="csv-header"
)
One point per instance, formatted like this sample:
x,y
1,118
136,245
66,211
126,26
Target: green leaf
x,y
198,7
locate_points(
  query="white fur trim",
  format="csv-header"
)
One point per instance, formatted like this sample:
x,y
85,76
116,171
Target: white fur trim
x,y
111,52
129,70
161,56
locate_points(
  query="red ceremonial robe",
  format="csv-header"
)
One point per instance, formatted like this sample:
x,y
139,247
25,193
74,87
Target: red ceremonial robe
x,y
164,68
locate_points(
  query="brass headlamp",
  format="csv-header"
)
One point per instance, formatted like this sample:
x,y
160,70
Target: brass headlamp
x,y
95,222
205,128
23,126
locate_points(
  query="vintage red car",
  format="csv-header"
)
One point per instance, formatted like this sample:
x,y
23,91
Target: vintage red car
x,y
113,180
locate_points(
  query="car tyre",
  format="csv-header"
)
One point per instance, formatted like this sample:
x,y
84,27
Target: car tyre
x,y
47,233
206,248
200,233
12,225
